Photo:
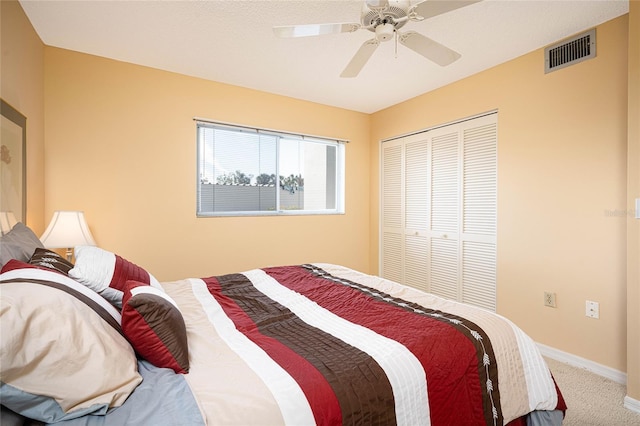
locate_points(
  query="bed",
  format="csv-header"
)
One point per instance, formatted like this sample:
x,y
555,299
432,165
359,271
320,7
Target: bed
x,y
102,342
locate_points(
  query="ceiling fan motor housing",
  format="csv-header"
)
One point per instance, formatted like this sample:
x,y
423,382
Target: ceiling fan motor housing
x,y
396,10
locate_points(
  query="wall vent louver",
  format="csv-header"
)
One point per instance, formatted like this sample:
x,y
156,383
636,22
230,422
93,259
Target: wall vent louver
x,y
570,51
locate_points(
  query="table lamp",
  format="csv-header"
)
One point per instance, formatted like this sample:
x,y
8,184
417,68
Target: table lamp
x,y
67,229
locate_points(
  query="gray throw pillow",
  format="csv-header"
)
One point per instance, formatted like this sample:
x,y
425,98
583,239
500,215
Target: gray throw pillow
x,y
19,243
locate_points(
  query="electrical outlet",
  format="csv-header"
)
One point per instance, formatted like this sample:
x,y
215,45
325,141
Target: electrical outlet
x,y
592,309
549,299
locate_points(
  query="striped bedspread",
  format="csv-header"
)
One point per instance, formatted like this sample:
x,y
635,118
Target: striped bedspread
x,y
323,344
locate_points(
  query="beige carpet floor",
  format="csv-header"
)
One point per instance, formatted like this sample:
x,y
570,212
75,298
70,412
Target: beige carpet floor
x,y
592,400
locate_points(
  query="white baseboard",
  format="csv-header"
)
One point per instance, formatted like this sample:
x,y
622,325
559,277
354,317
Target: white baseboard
x,y
576,361
631,404
599,369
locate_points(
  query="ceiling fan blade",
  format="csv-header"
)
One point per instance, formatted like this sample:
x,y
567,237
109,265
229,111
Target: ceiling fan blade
x,y
314,29
428,48
430,8
360,58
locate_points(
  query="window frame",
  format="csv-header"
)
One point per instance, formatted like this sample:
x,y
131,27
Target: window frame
x,y
340,184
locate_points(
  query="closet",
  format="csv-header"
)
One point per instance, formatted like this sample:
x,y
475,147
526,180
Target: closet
x,y
439,210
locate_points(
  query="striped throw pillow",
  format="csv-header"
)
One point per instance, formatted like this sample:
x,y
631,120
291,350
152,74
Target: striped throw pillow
x,y
107,273
154,326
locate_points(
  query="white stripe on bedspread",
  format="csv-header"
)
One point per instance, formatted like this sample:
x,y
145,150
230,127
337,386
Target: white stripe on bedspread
x,y
291,400
404,371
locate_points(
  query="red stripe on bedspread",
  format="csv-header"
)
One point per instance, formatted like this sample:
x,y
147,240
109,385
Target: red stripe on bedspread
x,y
321,399
456,375
318,374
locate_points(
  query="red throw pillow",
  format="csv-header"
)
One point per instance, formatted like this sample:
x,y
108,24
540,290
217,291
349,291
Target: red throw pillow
x,y
154,326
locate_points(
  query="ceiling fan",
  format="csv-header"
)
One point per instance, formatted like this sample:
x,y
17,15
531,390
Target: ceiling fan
x,y
384,18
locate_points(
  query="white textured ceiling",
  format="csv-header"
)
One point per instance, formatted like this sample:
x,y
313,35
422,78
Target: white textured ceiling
x,y
232,41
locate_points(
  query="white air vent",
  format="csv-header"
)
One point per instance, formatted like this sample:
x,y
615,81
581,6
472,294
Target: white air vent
x,y
570,51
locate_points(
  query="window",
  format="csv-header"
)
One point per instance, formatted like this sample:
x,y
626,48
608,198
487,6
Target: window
x,y
243,171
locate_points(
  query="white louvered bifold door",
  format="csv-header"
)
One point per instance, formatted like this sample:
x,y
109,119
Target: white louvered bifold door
x,y
479,211
445,222
392,210
439,211
416,192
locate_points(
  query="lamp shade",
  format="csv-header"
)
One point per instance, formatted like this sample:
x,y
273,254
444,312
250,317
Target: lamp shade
x,y
67,229
7,221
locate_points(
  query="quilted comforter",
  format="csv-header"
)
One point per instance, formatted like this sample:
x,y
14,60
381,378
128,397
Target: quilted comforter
x,y
323,344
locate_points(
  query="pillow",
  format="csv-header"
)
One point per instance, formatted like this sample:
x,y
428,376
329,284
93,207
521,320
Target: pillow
x,y
59,359
15,270
107,273
19,243
50,259
154,326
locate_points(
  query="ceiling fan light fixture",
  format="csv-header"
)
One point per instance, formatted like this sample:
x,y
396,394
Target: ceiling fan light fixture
x,y
385,32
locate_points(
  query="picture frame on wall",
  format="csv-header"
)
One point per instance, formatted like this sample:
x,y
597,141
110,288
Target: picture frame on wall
x,y
13,144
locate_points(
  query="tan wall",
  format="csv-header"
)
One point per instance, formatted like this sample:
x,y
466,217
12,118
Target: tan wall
x,y
561,167
113,128
22,77
633,191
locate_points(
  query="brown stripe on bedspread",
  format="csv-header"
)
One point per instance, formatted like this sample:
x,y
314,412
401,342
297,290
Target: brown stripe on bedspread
x,y
86,300
359,383
486,365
